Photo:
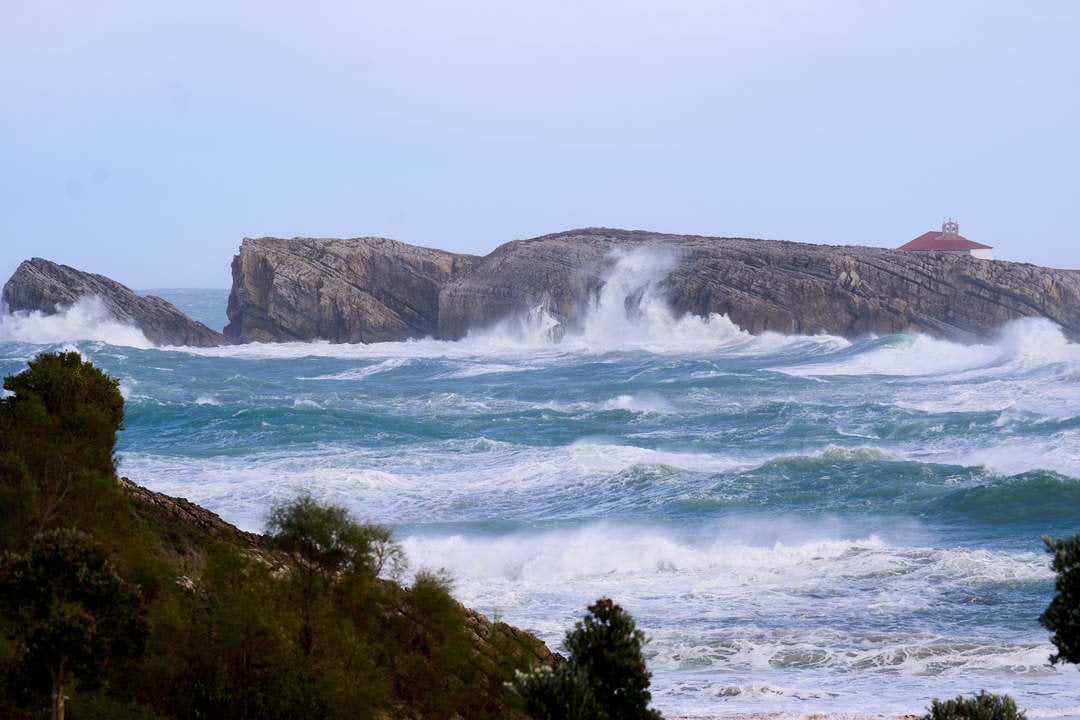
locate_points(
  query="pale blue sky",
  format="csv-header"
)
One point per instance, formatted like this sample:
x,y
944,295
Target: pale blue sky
x,y
143,140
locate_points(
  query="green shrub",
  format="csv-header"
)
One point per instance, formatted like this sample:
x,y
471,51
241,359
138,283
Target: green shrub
x,y
1062,617
984,706
57,435
73,613
605,678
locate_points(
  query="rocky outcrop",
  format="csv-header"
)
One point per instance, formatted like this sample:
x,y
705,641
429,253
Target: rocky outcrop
x,y
372,289
767,285
357,290
44,286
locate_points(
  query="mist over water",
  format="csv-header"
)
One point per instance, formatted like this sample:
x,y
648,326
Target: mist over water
x,y
801,524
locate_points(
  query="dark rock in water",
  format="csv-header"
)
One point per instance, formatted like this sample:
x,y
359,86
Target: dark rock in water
x,y
44,286
371,289
357,290
768,285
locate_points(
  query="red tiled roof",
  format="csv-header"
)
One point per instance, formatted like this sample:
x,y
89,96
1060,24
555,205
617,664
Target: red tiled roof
x,y
934,240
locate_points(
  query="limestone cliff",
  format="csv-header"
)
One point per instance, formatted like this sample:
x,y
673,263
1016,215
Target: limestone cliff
x,y
768,285
44,286
372,289
356,290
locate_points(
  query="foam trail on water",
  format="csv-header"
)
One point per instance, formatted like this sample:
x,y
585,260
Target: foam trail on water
x,y
87,319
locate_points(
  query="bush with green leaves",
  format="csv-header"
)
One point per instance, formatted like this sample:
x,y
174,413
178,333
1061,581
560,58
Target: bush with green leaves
x,y
74,614
984,706
605,677
329,548
1062,617
57,439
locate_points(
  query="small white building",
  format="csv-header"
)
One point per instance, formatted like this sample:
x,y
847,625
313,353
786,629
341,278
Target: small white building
x,y
951,240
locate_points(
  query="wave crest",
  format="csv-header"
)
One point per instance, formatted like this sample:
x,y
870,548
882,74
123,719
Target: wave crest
x,y
87,319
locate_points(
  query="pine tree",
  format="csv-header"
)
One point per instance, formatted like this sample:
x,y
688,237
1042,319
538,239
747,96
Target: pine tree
x,y
605,678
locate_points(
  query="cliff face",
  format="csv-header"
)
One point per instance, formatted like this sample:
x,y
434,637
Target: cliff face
x,y
768,285
44,286
371,289
358,290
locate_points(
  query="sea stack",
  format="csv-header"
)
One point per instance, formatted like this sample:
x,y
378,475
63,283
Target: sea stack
x,y
355,290
47,287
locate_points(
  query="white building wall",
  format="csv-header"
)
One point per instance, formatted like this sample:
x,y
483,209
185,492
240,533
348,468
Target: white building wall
x,y
983,253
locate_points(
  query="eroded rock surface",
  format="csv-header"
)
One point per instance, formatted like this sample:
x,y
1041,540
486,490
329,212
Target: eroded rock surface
x,y
44,286
373,289
355,290
767,285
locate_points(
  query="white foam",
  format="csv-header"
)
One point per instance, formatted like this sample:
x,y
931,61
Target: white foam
x,y
1059,453
87,319
479,369
1036,341
1022,344
809,557
629,551
903,356
629,313
738,626
362,373
647,403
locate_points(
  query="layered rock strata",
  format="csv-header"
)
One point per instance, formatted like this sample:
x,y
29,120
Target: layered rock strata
x,y
767,285
356,290
44,286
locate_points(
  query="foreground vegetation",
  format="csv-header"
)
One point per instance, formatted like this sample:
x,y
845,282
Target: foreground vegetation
x,y
114,608
605,678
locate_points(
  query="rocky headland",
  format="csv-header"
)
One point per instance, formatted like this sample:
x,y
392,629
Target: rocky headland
x,y
373,289
46,287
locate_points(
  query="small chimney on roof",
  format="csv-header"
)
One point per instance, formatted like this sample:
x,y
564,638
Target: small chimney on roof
x,y
950,228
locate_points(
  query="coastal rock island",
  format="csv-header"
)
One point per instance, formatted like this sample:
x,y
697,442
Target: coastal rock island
x,y
39,285
354,290
373,289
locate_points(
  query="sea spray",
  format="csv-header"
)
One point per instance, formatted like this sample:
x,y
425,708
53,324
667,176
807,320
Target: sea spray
x,y
629,311
88,319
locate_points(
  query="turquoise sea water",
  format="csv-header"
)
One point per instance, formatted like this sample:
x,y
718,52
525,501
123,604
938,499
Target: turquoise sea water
x,y
800,524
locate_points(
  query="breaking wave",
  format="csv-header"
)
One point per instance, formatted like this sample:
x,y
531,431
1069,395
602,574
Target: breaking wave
x,y
87,319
